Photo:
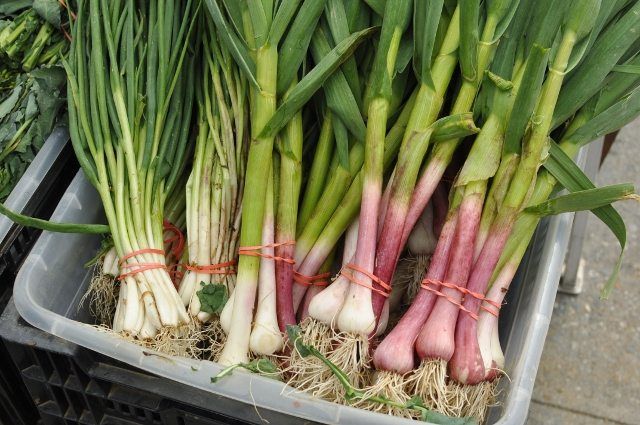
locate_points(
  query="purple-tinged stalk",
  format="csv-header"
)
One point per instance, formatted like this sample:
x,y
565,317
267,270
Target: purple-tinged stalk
x,y
396,351
436,338
467,365
287,213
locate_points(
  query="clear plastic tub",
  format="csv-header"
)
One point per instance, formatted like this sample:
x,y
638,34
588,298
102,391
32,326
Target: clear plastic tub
x,y
52,281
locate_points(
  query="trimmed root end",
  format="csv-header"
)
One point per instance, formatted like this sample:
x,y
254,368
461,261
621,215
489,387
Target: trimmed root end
x,y
392,386
102,296
309,373
214,339
350,352
429,382
477,398
185,340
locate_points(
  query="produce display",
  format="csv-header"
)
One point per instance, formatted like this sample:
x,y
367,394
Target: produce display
x,y
32,95
338,193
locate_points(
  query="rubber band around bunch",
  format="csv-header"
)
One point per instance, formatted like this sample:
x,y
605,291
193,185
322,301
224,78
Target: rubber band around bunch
x,y
254,251
225,268
140,267
426,282
385,288
321,279
177,241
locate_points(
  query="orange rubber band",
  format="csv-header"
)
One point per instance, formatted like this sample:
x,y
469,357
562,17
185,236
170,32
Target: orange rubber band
x,y
386,289
177,241
254,251
465,292
220,268
317,280
140,267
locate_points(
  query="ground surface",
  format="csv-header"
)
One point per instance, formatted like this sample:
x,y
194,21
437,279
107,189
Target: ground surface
x,y
590,369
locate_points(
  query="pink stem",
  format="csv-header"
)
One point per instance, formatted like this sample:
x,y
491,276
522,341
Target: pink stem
x,y
284,287
440,208
466,365
436,338
399,216
395,353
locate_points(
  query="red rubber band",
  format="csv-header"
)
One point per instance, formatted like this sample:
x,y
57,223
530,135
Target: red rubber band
x,y
140,267
177,241
316,280
465,292
220,268
254,251
386,289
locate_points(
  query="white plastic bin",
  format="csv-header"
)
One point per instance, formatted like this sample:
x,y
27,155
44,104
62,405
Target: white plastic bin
x,y
52,281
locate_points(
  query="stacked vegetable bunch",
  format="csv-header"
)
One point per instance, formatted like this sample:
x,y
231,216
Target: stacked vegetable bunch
x,y
31,85
292,151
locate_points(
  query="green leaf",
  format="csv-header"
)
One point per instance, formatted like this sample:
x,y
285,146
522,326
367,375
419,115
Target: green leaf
x,y
311,82
339,96
12,6
499,82
469,37
49,10
259,22
342,142
293,334
589,76
213,297
281,22
377,6
52,226
425,27
339,26
453,127
583,200
296,43
526,99
10,102
233,43
615,117
571,177
629,69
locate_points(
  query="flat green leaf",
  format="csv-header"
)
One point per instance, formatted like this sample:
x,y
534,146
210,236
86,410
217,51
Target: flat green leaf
x,y
296,43
338,23
589,76
583,200
615,117
377,6
340,99
453,127
526,99
571,177
629,69
53,226
281,22
12,6
426,16
259,22
234,11
311,82
342,142
505,13
233,43
10,102
469,37
49,10
213,297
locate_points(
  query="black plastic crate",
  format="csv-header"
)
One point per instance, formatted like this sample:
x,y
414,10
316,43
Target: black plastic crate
x,y
72,385
16,405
